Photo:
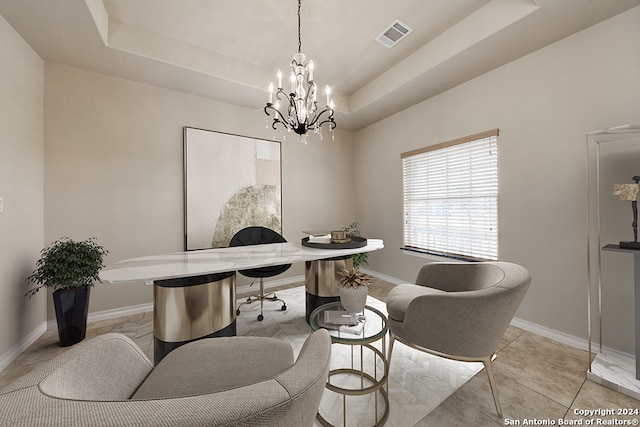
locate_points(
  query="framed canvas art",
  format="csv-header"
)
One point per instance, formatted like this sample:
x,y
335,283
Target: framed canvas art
x,y
231,182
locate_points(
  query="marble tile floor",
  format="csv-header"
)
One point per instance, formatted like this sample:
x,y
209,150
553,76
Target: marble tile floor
x,y
540,381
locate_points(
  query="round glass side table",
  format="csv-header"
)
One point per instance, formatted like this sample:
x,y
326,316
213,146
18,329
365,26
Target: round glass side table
x,y
370,377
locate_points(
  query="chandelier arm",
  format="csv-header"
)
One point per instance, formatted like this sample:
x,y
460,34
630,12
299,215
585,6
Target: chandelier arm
x,y
331,123
276,113
281,95
287,122
329,111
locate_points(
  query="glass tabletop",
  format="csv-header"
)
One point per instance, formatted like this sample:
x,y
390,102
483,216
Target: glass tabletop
x,y
371,325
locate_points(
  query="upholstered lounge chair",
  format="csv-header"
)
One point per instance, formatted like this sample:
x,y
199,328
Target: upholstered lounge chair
x,y
108,381
458,310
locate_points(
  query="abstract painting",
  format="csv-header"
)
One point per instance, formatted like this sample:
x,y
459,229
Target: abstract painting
x,y
231,182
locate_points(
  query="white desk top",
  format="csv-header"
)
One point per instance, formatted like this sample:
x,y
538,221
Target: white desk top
x,y
208,261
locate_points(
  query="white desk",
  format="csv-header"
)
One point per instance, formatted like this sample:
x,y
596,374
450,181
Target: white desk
x,y
209,261
194,292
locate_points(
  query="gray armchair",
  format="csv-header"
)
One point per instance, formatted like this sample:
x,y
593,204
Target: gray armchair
x,y
108,381
458,310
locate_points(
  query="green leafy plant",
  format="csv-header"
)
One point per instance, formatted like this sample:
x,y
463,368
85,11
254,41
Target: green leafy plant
x,y
67,264
361,258
354,278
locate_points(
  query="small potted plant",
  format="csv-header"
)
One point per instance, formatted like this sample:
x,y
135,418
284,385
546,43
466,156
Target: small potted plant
x,y
361,258
70,269
353,289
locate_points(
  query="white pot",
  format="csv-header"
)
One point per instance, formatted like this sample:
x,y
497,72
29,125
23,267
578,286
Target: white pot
x,y
354,299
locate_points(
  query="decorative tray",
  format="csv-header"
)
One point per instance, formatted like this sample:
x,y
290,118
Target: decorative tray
x,y
356,242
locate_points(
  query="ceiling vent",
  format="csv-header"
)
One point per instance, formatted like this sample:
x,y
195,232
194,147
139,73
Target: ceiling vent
x,y
393,34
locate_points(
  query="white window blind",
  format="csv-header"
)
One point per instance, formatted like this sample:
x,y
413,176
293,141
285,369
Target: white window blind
x,y
451,198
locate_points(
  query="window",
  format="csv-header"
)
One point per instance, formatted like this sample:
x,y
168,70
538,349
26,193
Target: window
x,y
451,198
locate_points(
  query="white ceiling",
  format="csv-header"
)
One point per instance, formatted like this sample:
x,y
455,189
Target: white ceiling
x,y
231,50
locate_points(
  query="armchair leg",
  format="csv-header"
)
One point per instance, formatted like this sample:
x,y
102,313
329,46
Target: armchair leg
x,y
486,361
492,383
392,340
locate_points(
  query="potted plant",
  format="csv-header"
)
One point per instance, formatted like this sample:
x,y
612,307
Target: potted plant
x,y
352,230
70,269
353,289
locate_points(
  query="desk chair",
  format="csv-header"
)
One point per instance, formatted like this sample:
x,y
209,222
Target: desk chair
x,y
256,236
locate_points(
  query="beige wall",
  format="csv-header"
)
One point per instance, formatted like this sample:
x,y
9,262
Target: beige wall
x,y
21,186
114,169
543,104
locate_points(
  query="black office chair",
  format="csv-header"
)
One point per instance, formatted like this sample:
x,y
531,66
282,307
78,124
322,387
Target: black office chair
x,y
256,236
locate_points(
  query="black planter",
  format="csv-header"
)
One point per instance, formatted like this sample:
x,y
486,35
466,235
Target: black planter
x,y
72,307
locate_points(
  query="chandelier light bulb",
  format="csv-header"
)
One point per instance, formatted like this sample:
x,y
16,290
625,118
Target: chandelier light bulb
x,y
279,79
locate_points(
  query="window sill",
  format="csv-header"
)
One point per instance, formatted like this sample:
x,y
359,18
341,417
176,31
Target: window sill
x,y
434,257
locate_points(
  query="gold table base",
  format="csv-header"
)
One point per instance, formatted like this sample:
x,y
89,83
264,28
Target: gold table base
x,y
376,385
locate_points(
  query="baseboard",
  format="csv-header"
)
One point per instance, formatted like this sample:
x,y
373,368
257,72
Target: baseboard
x,y
111,314
22,345
570,340
119,312
561,337
390,279
269,284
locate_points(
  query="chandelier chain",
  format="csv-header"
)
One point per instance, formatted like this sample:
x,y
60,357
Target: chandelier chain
x,y
299,33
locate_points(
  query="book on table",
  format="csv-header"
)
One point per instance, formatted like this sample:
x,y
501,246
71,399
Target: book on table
x,y
341,320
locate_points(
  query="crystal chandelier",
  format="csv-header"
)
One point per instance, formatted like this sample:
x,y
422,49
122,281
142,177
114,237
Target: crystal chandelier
x,y
298,110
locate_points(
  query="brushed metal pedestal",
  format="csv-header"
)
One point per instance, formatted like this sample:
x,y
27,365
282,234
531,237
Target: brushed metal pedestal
x,y
321,278
190,308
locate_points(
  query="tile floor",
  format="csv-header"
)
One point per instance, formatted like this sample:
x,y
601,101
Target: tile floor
x,y
540,381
